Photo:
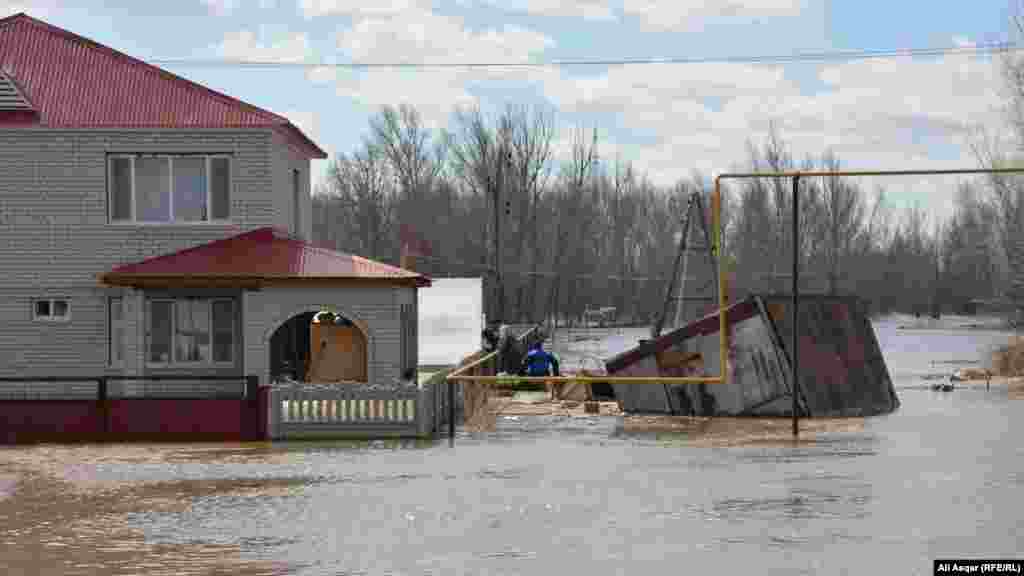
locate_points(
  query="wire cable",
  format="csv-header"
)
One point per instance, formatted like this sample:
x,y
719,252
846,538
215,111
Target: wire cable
x,y
830,56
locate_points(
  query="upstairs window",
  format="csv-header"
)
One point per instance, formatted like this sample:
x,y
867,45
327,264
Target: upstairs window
x,y
168,188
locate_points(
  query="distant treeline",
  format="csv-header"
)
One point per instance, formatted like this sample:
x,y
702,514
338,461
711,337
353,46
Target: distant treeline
x,y
585,231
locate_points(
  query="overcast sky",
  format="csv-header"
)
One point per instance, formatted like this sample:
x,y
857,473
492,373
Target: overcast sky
x,y
668,119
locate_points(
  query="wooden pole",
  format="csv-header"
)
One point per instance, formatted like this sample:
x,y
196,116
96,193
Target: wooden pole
x,y
451,411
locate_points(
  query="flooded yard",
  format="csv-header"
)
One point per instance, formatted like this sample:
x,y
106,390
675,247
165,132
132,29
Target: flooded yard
x,y
941,477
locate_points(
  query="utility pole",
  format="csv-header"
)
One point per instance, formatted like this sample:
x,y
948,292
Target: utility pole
x,y
796,305
499,184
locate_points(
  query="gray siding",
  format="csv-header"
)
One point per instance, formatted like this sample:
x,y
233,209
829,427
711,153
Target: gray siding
x,y
375,310
53,204
55,238
58,348
286,159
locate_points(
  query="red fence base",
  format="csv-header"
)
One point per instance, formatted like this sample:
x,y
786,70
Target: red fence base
x,y
48,420
151,420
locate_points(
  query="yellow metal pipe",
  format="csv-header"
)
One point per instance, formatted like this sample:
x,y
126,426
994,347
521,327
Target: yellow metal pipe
x,y
922,172
595,379
723,337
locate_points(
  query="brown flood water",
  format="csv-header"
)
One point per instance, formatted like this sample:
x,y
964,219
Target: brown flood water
x,y
942,477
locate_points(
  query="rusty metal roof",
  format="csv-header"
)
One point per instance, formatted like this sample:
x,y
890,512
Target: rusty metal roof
x,y
75,82
254,258
710,324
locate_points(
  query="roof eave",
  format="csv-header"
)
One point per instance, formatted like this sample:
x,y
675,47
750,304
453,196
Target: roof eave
x,y
293,132
127,279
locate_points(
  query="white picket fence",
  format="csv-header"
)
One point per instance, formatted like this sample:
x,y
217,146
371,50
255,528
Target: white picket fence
x,y
309,410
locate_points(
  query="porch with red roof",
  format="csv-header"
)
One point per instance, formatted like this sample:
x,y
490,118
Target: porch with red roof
x,y
255,259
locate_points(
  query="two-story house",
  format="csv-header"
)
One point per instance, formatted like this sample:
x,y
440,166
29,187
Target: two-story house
x,y
151,225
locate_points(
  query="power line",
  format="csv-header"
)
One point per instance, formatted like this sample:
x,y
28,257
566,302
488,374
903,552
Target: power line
x,y
831,56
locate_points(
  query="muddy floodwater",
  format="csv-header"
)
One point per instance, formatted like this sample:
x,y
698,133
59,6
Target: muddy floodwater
x,y
942,477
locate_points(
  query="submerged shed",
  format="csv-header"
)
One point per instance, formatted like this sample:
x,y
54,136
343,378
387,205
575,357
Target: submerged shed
x,y
842,371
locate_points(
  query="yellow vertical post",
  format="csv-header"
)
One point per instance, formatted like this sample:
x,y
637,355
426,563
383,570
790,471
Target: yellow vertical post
x,y
716,218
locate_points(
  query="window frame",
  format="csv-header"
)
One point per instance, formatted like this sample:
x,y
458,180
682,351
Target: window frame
x,y
51,318
172,361
134,221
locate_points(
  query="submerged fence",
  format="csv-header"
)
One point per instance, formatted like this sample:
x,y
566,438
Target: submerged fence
x,y
158,407
215,407
98,388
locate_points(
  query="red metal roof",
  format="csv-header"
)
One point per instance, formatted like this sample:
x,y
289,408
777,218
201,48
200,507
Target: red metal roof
x,y
258,256
75,82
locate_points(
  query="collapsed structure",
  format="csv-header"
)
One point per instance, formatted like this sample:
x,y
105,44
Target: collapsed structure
x,y
842,371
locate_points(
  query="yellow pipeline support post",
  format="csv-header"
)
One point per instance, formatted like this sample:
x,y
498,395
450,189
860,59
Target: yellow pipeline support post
x,y
723,338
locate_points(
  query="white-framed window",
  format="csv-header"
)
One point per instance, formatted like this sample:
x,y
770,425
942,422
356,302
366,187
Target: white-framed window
x,y
115,331
190,331
51,309
166,188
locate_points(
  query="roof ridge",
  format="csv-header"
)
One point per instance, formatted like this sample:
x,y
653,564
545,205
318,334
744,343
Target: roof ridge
x,y
131,60
364,259
325,250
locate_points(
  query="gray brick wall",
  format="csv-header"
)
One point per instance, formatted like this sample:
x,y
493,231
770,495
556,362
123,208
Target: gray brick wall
x,y
285,160
68,348
55,238
53,201
374,309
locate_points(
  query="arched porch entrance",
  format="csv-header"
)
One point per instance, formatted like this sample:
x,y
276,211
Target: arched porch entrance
x,y
319,347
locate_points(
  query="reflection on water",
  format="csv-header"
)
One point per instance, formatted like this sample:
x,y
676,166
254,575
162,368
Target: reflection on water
x,y
539,494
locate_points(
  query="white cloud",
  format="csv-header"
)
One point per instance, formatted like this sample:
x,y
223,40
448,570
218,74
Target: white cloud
x,y
245,45
309,123
421,36
316,8
882,114
322,74
585,9
220,7
34,8
963,42
434,94
690,14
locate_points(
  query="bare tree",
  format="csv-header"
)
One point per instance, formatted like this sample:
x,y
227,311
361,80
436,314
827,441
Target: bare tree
x,y
532,134
363,184
482,158
842,207
416,158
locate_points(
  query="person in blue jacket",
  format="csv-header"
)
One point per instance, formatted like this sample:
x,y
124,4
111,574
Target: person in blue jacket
x,y
539,362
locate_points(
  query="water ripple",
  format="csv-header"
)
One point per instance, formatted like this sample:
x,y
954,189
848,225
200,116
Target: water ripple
x,y
501,474
507,554
799,505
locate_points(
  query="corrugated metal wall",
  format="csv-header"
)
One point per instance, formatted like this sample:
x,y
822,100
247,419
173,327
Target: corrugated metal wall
x,y
842,370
